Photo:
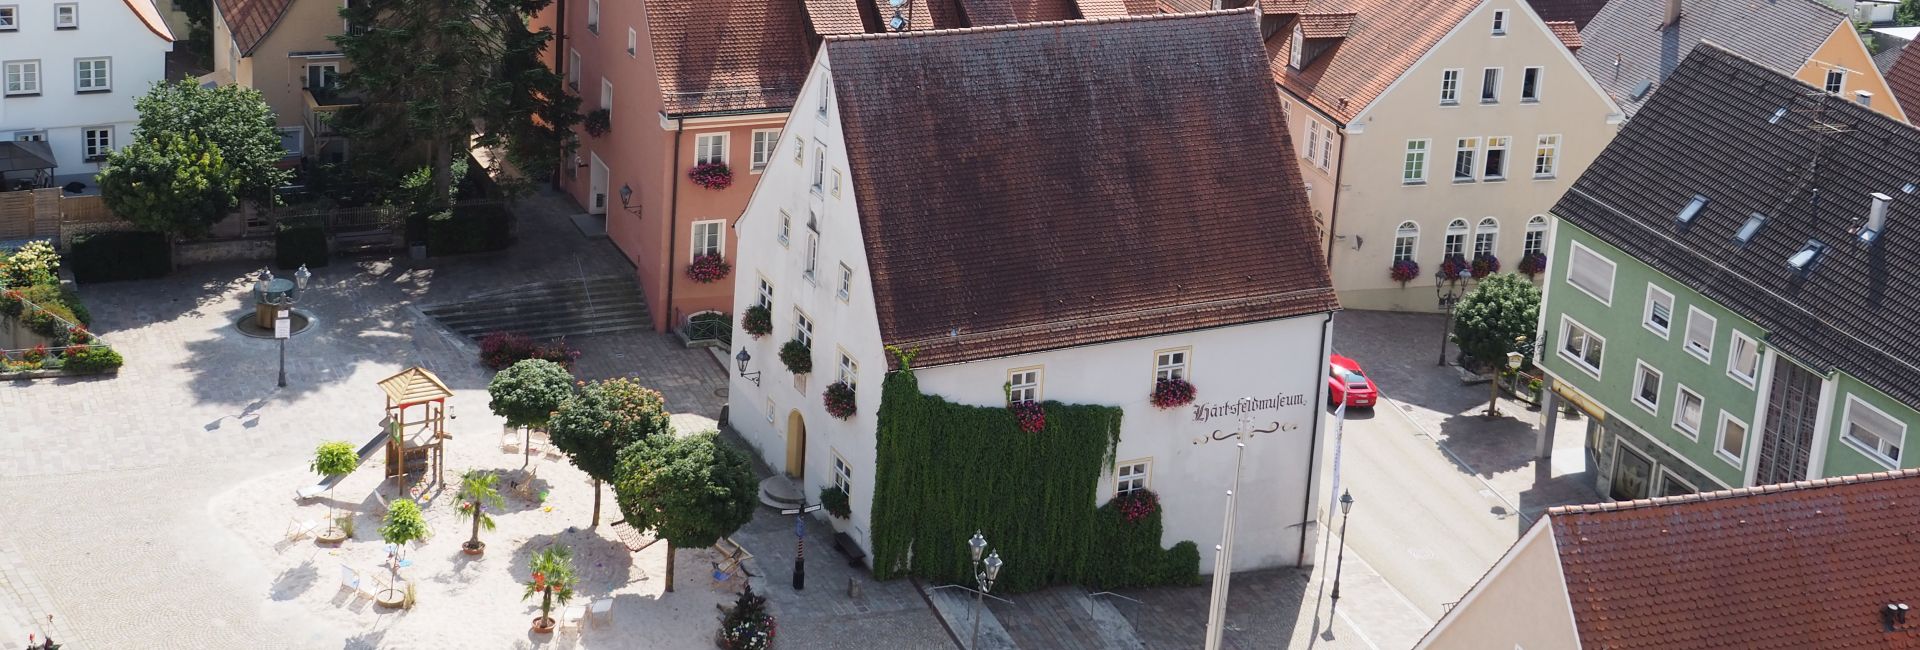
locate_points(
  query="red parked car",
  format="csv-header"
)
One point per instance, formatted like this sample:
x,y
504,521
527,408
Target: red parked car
x,y
1346,381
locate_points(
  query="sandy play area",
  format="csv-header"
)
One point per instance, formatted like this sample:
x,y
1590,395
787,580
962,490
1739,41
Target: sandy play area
x,y
466,601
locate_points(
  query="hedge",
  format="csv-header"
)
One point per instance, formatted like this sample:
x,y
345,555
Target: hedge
x,y
471,229
297,245
109,256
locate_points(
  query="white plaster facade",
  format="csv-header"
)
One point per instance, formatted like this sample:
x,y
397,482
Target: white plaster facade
x,y
1280,362
59,108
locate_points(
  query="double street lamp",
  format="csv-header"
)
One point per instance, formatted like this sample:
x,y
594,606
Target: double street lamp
x,y
282,297
984,574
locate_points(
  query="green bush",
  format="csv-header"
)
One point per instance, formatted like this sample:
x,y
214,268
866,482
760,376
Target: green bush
x,y
92,359
1129,529
297,245
53,294
1183,565
109,256
471,229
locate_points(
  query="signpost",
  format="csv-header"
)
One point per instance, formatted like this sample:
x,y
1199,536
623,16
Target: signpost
x,y
282,329
800,544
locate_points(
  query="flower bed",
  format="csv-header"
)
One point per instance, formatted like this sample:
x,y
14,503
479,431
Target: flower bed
x,y
1172,393
709,268
839,400
713,176
1403,271
1031,416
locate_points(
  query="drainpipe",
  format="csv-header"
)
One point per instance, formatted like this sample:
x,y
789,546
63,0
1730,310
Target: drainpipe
x,y
1333,209
560,65
673,216
1313,445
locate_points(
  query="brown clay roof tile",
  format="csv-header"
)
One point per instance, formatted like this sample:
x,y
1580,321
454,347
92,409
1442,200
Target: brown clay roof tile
x,y
250,20
829,17
1336,25
993,226
1385,38
737,56
1567,32
1904,80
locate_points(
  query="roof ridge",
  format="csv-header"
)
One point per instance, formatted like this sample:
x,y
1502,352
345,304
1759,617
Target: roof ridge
x,y
1038,25
1132,312
1718,495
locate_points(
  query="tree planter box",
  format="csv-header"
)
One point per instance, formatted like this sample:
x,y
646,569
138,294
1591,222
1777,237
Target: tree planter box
x,y
53,372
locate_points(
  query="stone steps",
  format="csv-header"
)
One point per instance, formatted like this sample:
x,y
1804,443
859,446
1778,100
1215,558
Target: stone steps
x,y
779,493
550,310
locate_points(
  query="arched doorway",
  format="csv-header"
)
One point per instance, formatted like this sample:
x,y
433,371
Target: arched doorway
x,y
796,445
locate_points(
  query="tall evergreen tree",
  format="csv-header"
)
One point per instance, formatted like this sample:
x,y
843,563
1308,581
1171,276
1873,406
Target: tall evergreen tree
x,y
434,72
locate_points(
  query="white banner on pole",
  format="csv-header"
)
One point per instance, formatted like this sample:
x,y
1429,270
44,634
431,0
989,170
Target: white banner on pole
x,y
1339,434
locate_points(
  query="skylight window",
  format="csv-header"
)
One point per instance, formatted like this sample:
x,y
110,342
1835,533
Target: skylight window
x,y
1749,229
1803,262
1776,116
1692,210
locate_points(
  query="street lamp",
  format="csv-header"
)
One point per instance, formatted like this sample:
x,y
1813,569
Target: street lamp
x,y
282,318
742,358
984,578
1514,359
1346,506
1446,297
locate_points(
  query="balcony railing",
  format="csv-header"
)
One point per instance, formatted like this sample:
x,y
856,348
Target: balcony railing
x,y
322,103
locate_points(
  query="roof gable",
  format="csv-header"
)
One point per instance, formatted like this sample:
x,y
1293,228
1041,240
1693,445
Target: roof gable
x,y
994,226
1712,131
1625,45
250,20
1382,40
1801,565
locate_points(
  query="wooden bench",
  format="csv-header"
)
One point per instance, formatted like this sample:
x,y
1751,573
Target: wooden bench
x,y
845,544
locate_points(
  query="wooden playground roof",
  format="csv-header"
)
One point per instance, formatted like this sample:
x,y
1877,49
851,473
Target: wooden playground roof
x,y
414,386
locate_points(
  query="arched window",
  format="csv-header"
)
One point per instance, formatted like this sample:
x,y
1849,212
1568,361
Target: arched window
x,y
1536,239
1486,237
1456,238
1406,240
813,244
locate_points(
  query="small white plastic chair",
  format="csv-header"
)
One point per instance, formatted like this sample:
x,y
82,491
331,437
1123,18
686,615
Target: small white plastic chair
x,y
571,616
298,528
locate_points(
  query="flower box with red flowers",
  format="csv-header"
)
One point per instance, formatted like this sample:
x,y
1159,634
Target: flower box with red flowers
x,y
1454,267
1485,264
1172,393
1137,505
598,123
757,321
839,400
1030,415
1533,263
713,176
1403,271
709,268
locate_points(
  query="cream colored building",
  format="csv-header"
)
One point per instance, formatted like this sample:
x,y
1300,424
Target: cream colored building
x,y
1424,131
1521,603
280,47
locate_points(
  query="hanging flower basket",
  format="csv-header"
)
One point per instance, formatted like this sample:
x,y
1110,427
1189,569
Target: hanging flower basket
x,y
598,123
1172,393
757,322
839,400
1137,505
797,356
1485,264
1533,264
713,176
1030,415
708,268
1454,266
1404,270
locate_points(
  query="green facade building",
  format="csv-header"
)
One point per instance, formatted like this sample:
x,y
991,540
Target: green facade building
x,y
1734,294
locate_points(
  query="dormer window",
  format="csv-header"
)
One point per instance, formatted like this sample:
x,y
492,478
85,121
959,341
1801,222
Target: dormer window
x,y
1499,23
1294,52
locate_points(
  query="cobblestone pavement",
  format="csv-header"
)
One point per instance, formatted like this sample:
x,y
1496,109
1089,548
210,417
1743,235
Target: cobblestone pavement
x,y
107,526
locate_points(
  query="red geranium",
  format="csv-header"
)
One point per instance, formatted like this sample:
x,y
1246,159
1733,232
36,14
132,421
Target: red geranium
x,y
1533,263
713,176
1030,415
1172,393
839,400
1137,505
1404,270
708,268
1485,264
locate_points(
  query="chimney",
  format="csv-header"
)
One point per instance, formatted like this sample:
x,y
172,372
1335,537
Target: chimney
x,y
1673,13
1863,98
1876,219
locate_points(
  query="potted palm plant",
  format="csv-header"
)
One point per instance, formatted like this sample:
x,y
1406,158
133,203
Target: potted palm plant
x,y
477,493
553,579
331,459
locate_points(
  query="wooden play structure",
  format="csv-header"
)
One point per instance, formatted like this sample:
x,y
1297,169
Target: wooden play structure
x,y
415,445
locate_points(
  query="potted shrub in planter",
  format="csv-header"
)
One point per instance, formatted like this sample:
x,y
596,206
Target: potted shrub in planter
x,y
747,626
1485,264
331,459
713,176
1403,271
553,579
839,399
757,321
797,356
598,123
476,495
1533,263
838,505
1030,415
1172,393
709,268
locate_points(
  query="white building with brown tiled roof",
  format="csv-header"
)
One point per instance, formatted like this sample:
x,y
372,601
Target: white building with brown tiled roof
x,y
989,202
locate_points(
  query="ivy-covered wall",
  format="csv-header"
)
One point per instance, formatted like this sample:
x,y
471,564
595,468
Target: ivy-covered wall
x,y
944,470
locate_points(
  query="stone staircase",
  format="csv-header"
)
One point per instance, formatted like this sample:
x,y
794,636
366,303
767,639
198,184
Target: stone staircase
x,y
549,310
779,493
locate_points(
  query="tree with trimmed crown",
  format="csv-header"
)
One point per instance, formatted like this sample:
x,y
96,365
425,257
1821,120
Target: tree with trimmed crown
x,y
1495,318
690,490
606,417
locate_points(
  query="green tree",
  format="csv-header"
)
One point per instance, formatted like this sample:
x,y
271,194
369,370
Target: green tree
x,y
168,183
430,70
477,493
1908,13
235,119
553,579
691,491
1495,318
404,524
529,391
606,417
331,459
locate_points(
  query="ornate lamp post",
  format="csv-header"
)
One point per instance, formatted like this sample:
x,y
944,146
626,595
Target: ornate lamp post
x,y
1446,296
283,318
1346,506
983,577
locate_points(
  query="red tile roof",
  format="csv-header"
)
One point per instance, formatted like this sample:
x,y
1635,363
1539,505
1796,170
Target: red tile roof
x,y
1567,32
1799,565
1326,25
737,56
1904,80
1107,8
830,17
250,20
1385,39
1033,11
997,223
